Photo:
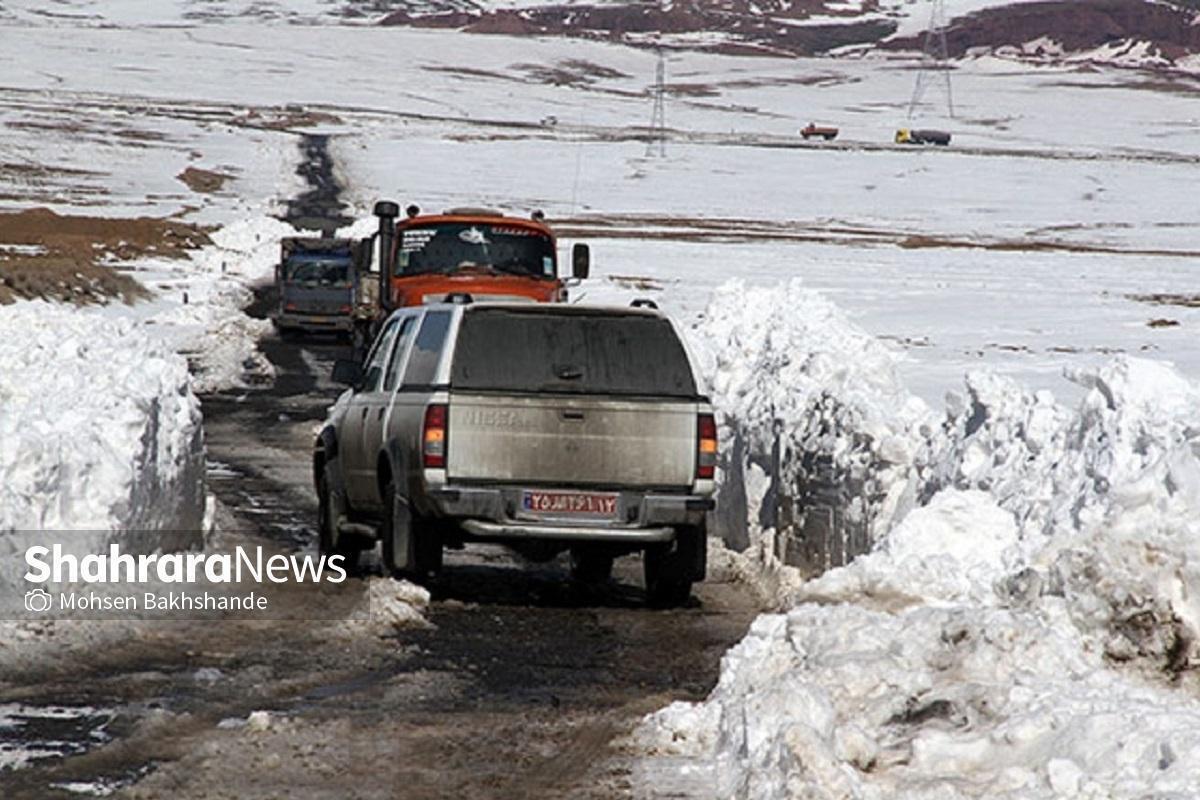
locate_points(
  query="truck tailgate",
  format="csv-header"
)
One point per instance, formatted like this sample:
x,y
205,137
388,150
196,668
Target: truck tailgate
x,y
571,441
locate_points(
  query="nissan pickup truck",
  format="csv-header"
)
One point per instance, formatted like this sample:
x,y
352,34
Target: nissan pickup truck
x,y
544,427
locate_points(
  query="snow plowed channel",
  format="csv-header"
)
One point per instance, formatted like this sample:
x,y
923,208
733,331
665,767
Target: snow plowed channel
x,y
1017,630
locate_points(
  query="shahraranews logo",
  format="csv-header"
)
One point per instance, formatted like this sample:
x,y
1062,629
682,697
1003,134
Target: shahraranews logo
x,y
52,564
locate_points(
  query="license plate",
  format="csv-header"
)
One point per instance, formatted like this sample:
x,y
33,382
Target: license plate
x,y
589,504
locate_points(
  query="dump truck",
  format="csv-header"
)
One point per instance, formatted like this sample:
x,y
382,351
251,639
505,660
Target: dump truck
x,y
824,131
922,136
315,279
472,254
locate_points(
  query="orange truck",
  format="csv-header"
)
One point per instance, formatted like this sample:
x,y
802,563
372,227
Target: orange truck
x,y
461,254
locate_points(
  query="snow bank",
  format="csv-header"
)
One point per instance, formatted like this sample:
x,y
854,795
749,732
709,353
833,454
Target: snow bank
x,y
99,433
1106,497
1103,499
1016,633
849,702
199,304
388,605
803,393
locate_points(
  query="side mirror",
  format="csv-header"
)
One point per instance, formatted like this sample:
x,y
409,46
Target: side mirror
x,y
347,372
581,258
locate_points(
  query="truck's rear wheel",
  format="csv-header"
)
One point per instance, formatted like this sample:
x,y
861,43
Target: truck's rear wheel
x,y
423,557
331,509
591,566
671,568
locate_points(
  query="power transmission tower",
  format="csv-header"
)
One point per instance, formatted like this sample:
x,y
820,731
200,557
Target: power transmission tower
x,y
935,59
658,117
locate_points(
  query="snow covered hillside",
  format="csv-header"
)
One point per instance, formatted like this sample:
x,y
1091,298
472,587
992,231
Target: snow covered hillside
x,y
1132,33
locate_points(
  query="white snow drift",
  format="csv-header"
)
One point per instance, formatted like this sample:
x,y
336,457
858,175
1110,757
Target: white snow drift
x,y
100,435
1012,635
199,303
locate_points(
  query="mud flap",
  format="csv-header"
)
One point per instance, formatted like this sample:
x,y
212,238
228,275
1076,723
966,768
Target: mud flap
x,y
693,546
398,552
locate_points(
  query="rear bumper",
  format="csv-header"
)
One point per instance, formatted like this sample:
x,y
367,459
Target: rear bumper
x,y
495,513
524,530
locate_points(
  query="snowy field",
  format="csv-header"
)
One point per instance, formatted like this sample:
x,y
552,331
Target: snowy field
x,y
1047,202
1027,626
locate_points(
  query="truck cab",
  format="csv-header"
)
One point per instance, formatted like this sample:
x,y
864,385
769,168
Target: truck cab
x,y
315,279
476,252
464,254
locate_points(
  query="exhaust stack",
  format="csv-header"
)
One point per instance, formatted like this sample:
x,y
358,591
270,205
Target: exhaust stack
x,y
387,211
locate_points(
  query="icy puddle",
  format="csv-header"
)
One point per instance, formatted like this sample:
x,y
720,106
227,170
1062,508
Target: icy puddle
x,y
33,733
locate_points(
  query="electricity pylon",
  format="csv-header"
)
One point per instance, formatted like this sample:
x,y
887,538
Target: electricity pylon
x,y
935,59
658,117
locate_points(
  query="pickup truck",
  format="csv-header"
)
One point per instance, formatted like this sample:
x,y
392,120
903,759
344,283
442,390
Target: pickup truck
x,y
826,132
544,427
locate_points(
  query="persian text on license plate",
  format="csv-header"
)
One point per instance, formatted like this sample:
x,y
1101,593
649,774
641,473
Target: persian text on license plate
x,y
583,503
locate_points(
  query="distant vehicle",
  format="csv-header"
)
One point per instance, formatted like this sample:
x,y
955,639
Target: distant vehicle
x,y
544,427
813,129
315,280
474,253
922,136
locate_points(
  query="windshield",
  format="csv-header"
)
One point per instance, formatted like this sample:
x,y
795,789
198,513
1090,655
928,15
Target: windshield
x,y
634,354
457,246
318,271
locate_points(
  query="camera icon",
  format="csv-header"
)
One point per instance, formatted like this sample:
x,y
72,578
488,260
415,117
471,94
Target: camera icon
x,y
38,600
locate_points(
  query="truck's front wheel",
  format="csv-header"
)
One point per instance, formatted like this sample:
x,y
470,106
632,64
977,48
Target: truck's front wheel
x,y
671,568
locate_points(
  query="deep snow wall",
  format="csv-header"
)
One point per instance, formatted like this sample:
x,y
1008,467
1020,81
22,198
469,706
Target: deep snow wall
x,y
1025,624
808,401
100,437
824,446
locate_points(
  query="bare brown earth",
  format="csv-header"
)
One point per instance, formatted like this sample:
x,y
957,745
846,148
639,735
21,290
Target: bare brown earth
x,y
64,257
203,180
768,28
1167,299
752,27
1076,26
732,229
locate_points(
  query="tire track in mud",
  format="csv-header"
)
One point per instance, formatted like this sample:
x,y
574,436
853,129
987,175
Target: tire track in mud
x,y
320,208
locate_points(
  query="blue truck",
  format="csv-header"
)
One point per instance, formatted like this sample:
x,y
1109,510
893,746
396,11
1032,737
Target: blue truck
x,y
316,280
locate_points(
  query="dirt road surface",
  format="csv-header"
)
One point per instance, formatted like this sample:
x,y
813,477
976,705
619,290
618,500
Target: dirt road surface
x,y
520,689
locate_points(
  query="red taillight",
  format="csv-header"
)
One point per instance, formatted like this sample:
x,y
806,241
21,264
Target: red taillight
x,y
433,436
290,307
706,447
344,310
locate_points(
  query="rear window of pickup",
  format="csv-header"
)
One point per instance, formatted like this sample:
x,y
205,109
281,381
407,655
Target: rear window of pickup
x,y
574,353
